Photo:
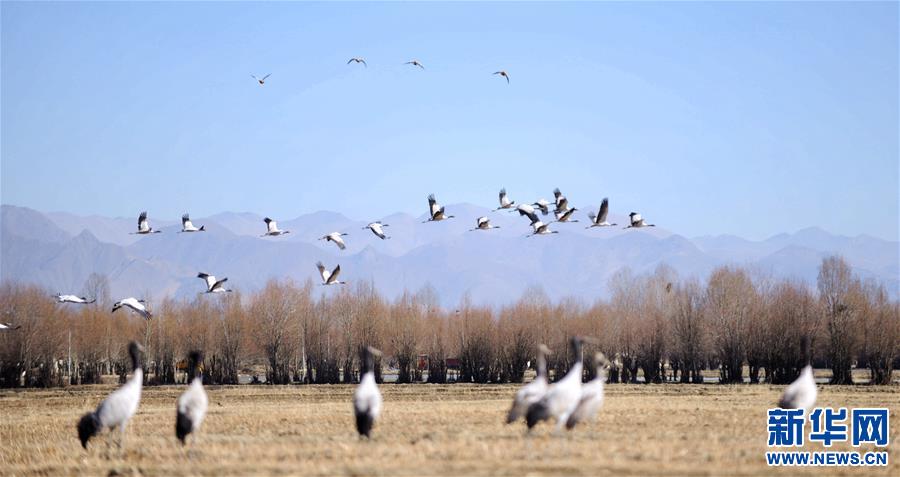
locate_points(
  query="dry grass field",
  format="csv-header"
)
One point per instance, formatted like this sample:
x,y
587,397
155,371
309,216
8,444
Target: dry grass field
x,y
425,430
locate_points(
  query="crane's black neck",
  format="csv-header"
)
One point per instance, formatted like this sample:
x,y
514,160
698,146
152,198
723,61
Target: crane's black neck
x,y
541,364
367,363
135,353
194,359
576,349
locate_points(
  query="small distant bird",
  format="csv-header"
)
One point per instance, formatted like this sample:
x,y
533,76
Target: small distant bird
x,y
329,278
414,63
533,391
144,225
336,238
187,226
591,394
484,223
802,393
566,215
562,396
357,59
505,203
526,210
272,228
9,327
213,285
637,221
540,228
262,80
119,407
599,220
367,397
80,300
561,202
193,403
436,211
543,205
504,74
376,228
135,305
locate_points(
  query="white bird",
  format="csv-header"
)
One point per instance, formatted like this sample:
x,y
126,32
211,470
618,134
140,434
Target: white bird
x,y
357,59
505,203
436,211
377,229
560,200
562,396
137,306
272,228
533,391
336,238
484,223
637,221
367,397
119,407
599,220
543,205
802,393
329,278
9,327
540,228
566,215
526,210
213,285
591,394
503,74
144,225
414,63
80,300
187,226
262,80
193,403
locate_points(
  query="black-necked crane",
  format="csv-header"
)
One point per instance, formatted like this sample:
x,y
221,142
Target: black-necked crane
x,y
414,63
802,393
367,397
9,327
213,285
193,403
562,203
135,305
483,223
591,394
526,210
562,396
566,215
262,80
78,300
336,238
505,203
637,221
599,220
272,229
504,74
357,59
329,278
118,408
436,211
188,226
377,228
144,225
533,391
540,228
543,205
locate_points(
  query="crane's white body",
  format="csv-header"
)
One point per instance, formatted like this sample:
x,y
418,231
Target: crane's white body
x,y
135,305
336,238
329,277
79,300
505,203
188,226
562,397
599,219
802,393
213,285
193,404
272,228
377,228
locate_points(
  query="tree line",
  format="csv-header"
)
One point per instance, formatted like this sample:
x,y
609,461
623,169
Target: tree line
x,y
657,326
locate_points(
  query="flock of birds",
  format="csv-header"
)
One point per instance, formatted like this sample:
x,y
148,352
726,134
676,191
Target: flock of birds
x,y
568,402
362,61
559,207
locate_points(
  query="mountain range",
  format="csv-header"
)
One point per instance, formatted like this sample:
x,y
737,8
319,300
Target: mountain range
x,y
60,250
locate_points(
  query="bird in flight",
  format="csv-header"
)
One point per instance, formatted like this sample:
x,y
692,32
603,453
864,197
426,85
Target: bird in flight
x,y
188,226
137,306
144,225
329,278
637,221
504,74
213,285
436,210
357,59
540,228
414,63
599,220
262,80
336,238
543,205
376,228
60,298
505,203
272,228
7,326
566,216
483,223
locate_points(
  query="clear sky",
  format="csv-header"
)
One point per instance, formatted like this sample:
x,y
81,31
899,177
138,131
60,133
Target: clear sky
x,y
709,118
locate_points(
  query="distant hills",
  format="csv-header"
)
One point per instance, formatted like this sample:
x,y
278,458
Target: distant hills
x,y
60,250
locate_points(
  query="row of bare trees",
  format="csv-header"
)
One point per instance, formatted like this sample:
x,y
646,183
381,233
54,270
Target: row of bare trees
x,y
658,327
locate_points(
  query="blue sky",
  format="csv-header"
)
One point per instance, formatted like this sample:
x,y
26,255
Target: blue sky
x,y
709,118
